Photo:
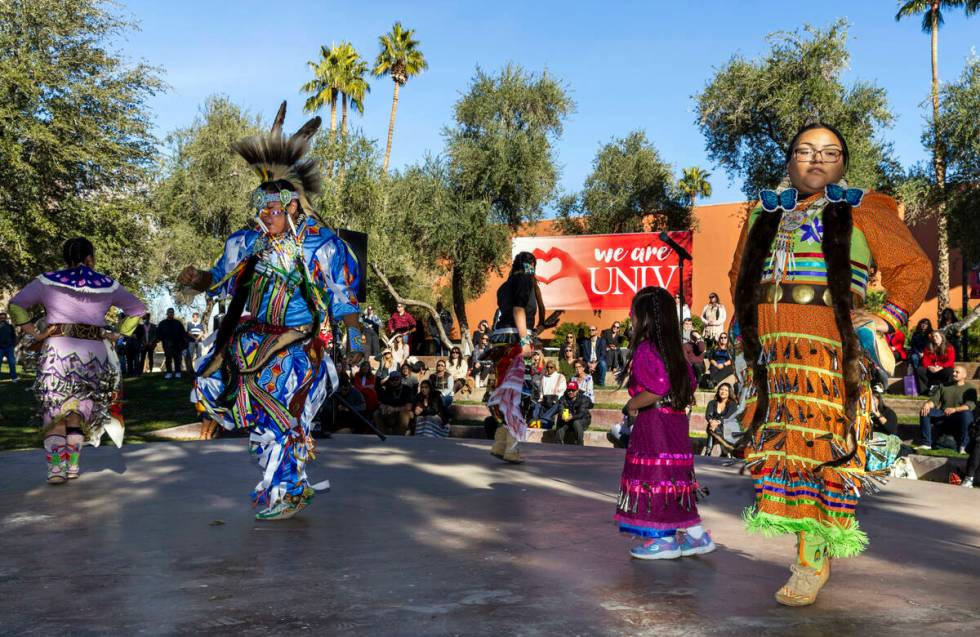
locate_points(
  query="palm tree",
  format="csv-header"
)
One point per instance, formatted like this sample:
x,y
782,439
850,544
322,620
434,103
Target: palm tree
x,y
324,88
353,85
932,19
694,184
400,58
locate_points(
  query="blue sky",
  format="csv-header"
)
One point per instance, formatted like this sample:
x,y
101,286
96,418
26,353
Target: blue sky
x,y
628,65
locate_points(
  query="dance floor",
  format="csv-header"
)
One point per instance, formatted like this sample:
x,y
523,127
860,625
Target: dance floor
x,y
436,537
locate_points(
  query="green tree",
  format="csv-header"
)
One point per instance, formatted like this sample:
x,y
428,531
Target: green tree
x,y
629,182
932,19
328,80
401,59
500,169
750,109
354,87
203,194
75,144
694,184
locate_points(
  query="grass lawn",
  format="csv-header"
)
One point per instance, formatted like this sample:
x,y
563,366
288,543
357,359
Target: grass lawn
x,y
149,403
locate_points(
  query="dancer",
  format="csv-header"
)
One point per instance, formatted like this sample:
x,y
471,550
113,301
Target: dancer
x,y
269,373
658,491
518,301
76,383
799,278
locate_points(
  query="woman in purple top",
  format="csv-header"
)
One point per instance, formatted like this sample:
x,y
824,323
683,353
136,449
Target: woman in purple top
x,y
658,491
75,378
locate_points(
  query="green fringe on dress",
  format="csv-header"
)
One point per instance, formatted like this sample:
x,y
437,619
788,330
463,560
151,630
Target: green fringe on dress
x,y
841,541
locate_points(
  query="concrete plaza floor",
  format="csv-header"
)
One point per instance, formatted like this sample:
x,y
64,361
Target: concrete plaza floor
x,y
435,537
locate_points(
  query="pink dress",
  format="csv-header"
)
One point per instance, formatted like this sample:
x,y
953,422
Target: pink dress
x,y
658,491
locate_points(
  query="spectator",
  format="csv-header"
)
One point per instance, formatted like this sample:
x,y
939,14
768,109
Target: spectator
x,y
683,310
593,350
195,336
566,363
714,317
344,411
937,363
395,406
150,345
460,371
441,382
446,319
8,340
896,343
430,414
366,382
949,407
946,319
614,347
569,344
583,380
372,320
687,326
720,363
135,344
720,416
481,368
409,378
919,341
402,324
573,416
553,385
172,334
399,351
482,329
973,462
694,350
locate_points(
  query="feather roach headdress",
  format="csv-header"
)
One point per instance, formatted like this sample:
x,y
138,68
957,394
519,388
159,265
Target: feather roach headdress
x,y
276,158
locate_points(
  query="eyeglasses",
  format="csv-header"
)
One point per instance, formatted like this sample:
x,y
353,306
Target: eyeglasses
x,y
592,331
829,155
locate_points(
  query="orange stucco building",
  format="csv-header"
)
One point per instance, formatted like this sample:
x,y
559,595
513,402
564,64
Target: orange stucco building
x,y
717,231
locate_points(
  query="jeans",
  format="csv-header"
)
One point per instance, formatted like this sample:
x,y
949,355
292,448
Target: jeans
x,y
576,426
172,356
599,375
8,353
927,379
973,463
959,422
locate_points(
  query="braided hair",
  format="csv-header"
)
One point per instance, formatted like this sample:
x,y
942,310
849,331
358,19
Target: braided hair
x,y
76,250
654,315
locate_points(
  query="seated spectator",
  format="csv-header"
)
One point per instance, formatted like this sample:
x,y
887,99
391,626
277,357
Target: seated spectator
x,y
553,385
409,378
566,363
483,329
481,368
460,371
949,408
366,382
686,328
614,347
973,462
344,411
937,364
399,351
720,363
441,382
573,416
583,380
569,344
918,342
720,416
593,352
896,343
430,413
714,316
396,404
386,365
946,320
694,353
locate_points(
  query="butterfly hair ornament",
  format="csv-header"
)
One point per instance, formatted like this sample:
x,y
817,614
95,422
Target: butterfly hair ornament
x,y
773,200
835,193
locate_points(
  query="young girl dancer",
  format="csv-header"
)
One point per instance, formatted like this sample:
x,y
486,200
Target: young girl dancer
x,y
658,491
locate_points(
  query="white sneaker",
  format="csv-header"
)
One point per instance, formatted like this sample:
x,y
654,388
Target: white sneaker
x,y
168,376
178,374
967,482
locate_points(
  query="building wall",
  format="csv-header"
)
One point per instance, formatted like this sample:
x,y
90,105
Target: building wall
x,y
715,238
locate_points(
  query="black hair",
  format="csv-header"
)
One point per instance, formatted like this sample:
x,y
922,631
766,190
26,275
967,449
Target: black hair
x,y
840,136
654,315
731,392
947,317
77,250
523,263
273,187
927,322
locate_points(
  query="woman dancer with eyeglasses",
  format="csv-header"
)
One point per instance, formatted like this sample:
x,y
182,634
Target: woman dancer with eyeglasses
x,y
799,277
270,373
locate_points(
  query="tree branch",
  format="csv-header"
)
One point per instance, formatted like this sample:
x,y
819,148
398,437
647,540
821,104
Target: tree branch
x,y
407,301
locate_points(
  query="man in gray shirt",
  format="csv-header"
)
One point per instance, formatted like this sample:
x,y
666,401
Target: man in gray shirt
x,y
949,407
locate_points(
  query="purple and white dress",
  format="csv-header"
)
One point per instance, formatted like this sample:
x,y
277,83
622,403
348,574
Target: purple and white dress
x,y
658,490
76,374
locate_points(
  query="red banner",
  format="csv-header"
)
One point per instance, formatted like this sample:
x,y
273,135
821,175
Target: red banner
x,y
604,271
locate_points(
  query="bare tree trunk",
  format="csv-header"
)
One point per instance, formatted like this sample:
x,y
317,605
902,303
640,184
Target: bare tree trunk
x,y
333,113
459,308
413,302
343,116
391,127
939,165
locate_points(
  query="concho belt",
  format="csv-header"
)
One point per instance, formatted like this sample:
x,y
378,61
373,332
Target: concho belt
x,y
803,294
78,330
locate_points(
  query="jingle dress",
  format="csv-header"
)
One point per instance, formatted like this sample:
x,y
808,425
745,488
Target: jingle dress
x,y
658,490
803,358
75,373
273,375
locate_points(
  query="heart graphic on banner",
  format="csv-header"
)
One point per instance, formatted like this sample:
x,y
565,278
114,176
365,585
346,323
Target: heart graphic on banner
x,y
550,265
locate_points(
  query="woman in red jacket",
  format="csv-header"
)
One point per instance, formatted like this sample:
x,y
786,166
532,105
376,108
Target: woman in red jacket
x,y
937,363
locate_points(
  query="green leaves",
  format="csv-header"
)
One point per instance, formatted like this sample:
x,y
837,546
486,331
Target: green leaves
x,y
750,110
